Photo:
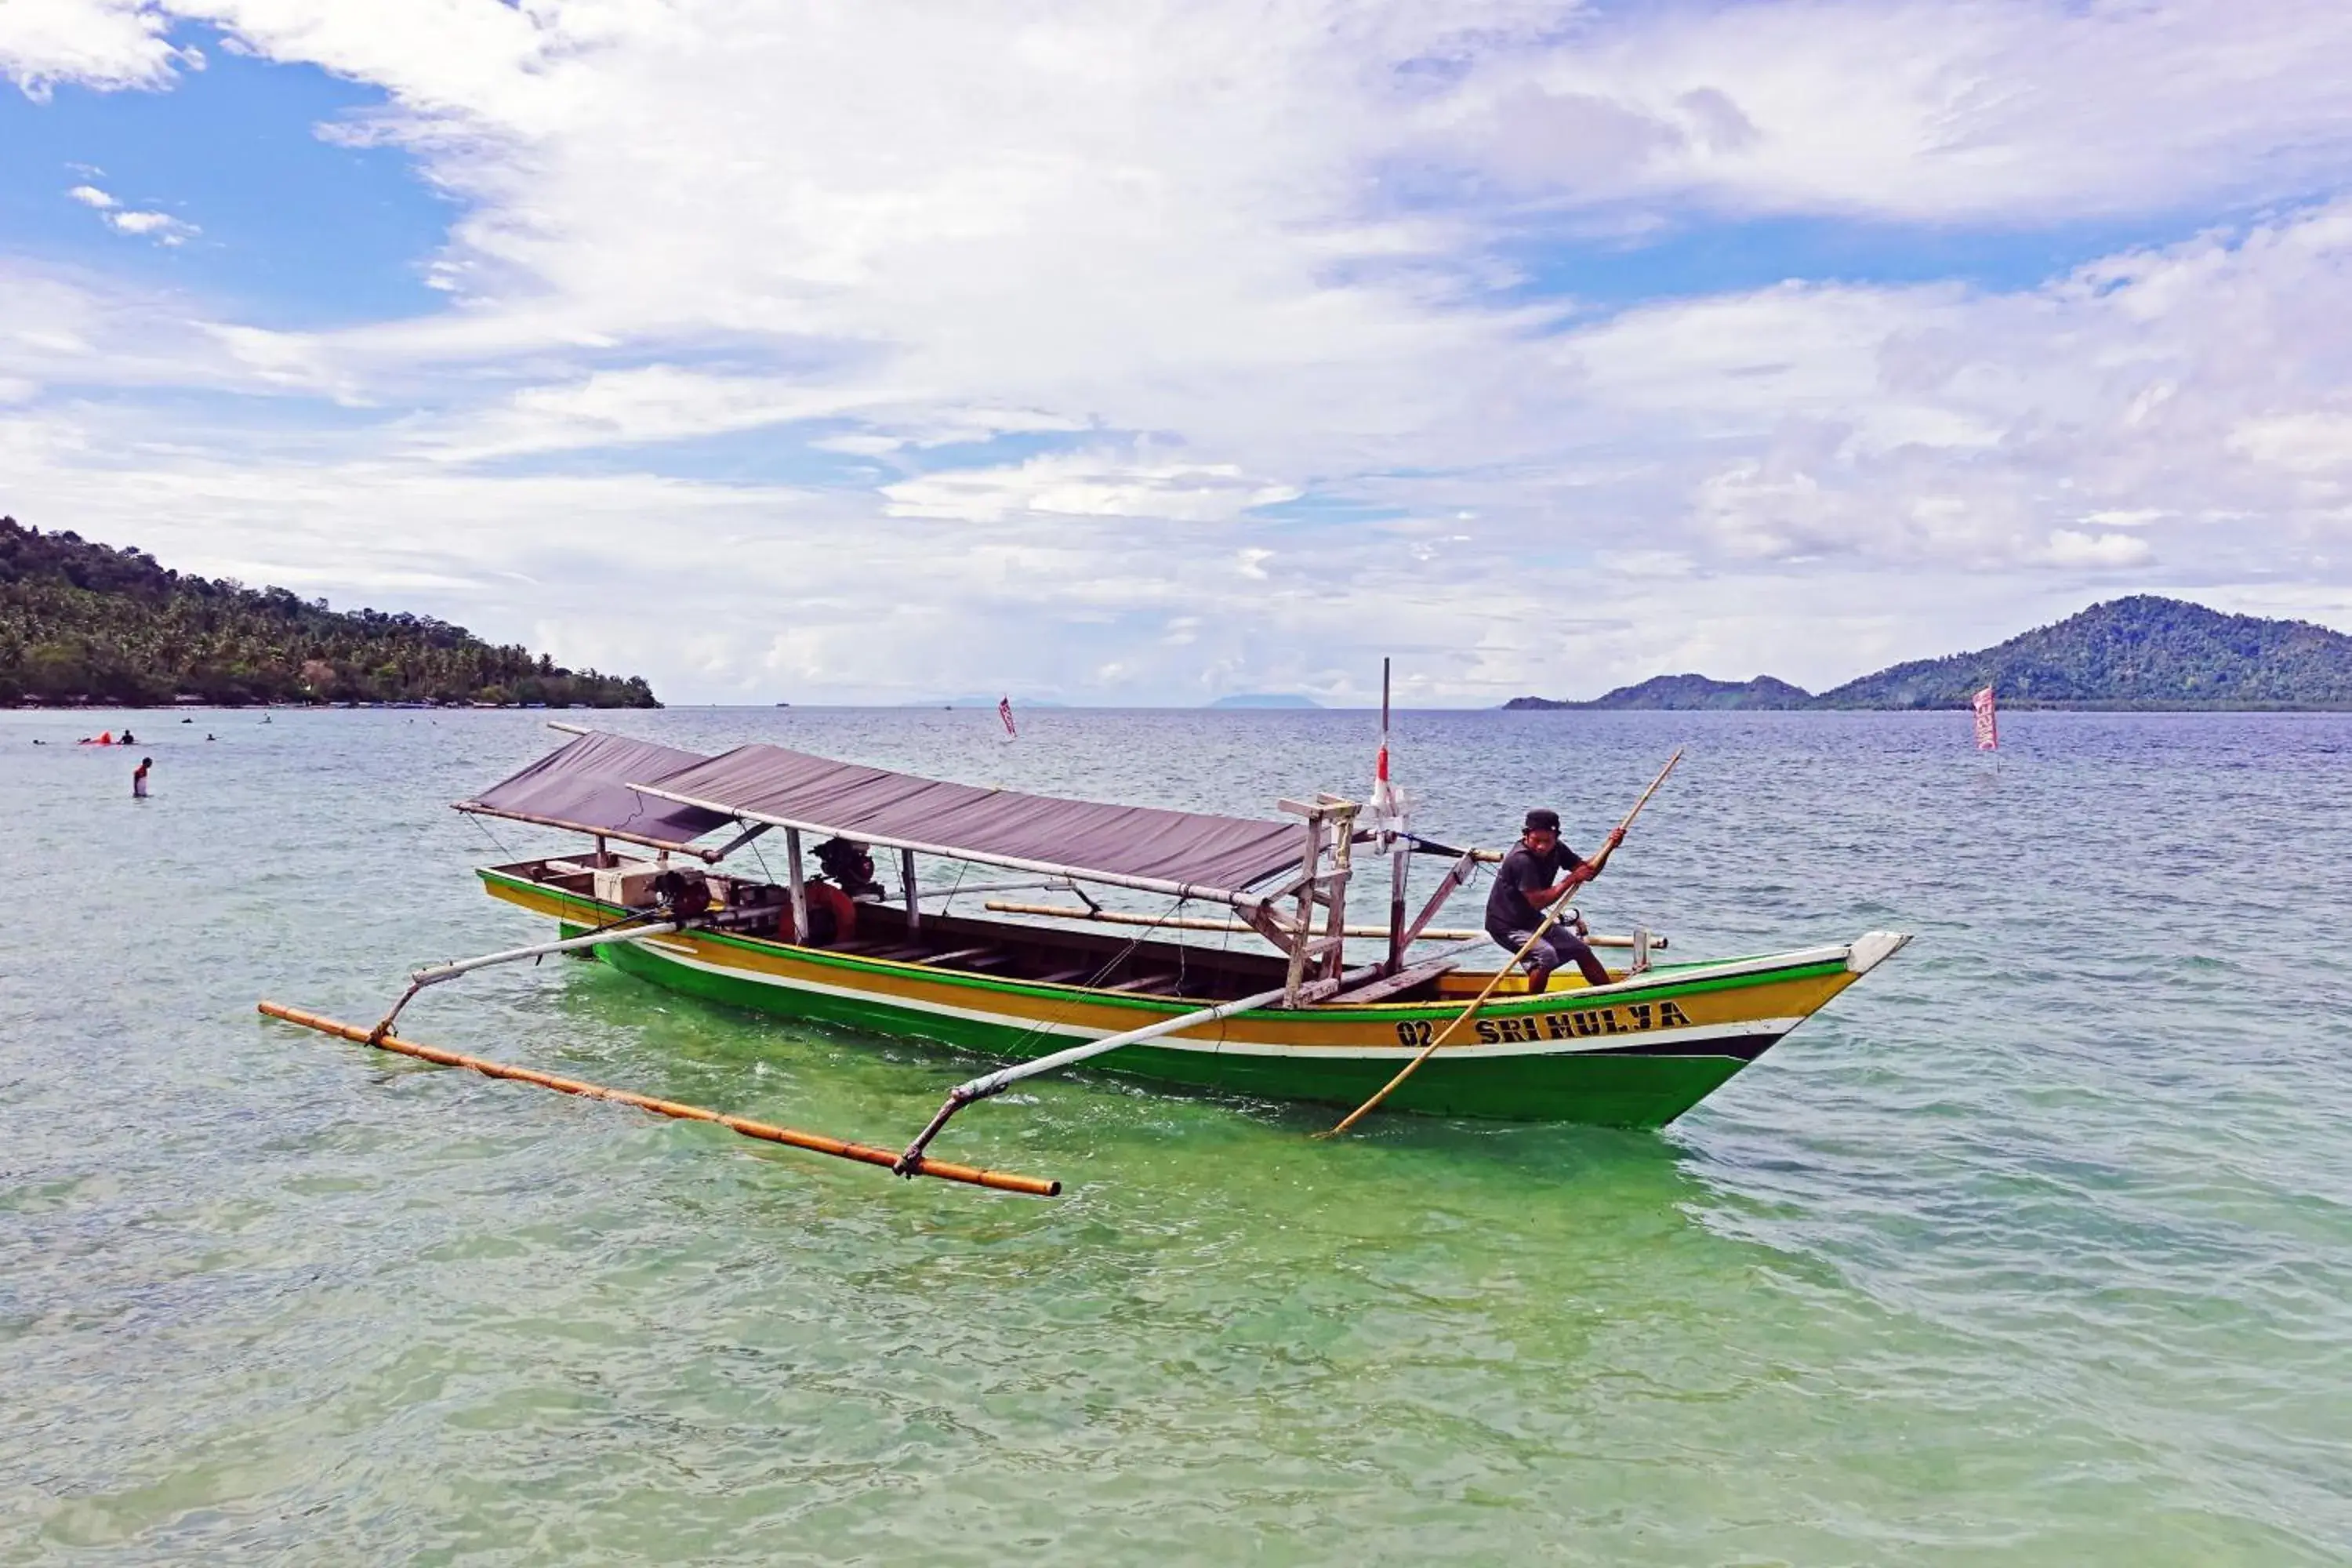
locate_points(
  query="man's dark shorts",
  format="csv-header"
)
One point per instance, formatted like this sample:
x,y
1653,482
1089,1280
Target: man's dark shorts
x,y
1559,949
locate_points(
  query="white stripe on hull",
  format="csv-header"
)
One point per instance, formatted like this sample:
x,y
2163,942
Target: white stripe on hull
x,y
1469,1050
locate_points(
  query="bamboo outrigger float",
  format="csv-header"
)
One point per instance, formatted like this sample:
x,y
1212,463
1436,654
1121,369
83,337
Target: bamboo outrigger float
x,y
1287,1018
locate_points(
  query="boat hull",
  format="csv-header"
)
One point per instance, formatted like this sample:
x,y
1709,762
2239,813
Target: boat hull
x,y
1635,1054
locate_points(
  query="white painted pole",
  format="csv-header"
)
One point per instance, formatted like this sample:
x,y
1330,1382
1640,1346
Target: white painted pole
x,y
437,973
798,881
440,972
996,1082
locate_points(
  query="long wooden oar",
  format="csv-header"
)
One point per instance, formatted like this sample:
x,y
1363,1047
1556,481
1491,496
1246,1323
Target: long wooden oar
x,y
814,1142
1551,915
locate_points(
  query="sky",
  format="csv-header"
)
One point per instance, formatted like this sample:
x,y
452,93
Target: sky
x,y
1144,353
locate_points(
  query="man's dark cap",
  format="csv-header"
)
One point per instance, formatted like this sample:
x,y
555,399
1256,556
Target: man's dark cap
x,y
1544,817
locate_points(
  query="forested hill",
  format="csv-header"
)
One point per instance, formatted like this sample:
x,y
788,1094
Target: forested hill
x,y
1687,692
2140,652
81,621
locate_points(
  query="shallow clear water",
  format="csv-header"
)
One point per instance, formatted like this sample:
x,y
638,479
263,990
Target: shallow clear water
x,y
2036,1247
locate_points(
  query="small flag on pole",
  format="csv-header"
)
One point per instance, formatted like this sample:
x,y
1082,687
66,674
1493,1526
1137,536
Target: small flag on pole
x,y
1987,723
1005,712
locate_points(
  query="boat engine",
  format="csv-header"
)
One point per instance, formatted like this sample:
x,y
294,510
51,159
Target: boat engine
x,y
682,895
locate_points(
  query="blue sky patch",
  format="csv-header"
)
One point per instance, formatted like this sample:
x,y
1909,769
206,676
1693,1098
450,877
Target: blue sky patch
x,y
1730,257
294,232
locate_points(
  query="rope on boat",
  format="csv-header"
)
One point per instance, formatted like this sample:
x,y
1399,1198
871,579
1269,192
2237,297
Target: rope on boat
x,y
814,1142
1039,1028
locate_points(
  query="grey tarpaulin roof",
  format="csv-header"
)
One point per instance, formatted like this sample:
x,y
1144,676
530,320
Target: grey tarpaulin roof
x,y
585,784
770,782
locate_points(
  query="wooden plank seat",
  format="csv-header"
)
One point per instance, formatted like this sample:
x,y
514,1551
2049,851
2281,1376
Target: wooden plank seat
x,y
1064,976
1404,980
1156,983
958,955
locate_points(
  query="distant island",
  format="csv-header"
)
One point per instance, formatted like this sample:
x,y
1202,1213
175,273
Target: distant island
x,y
1265,700
81,622
1688,691
2144,652
1020,704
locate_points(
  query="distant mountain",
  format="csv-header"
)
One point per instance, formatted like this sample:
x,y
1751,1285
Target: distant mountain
x,y
1681,692
2140,652
81,622
1265,700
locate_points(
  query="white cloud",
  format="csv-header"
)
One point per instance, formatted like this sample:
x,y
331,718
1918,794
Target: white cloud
x,y
160,228
94,43
613,408
1920,110
1227,254
2070,547
2314,442
1087,485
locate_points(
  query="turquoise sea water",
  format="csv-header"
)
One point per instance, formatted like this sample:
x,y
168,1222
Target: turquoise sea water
x,y
2035,1249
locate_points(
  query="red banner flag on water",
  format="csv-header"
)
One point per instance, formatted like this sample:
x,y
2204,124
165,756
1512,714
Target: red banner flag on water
x,y
1005,712
1987,723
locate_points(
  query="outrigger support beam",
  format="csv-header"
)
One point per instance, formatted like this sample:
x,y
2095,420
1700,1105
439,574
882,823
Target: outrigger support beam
x,y
438,973
628,929
1002,1079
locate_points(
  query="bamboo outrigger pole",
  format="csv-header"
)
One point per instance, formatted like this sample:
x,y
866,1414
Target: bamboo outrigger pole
x,y
1551,915
816,1143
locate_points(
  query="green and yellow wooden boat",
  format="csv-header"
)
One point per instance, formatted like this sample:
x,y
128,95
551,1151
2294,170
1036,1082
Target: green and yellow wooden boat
x,y
1293,1017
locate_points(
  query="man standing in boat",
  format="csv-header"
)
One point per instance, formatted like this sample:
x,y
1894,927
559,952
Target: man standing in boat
x,y
1526,884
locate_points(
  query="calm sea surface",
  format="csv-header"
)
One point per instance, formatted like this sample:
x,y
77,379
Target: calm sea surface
x,y
2036,1248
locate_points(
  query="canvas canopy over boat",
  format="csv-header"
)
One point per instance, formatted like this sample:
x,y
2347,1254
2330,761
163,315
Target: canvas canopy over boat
x,y
1275,1009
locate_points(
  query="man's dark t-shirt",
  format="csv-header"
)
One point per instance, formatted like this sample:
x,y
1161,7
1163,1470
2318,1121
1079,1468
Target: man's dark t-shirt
x,y
1521,872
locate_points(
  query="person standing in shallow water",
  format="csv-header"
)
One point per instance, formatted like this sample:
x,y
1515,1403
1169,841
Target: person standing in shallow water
x,y
1525,883
139,778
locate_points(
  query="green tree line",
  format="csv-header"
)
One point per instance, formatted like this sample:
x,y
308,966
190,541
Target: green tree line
x,y
85,622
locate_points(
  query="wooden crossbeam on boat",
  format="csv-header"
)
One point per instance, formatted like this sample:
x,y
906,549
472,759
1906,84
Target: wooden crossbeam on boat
x,y
1153,984
1182,922
1189,923
1394,984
